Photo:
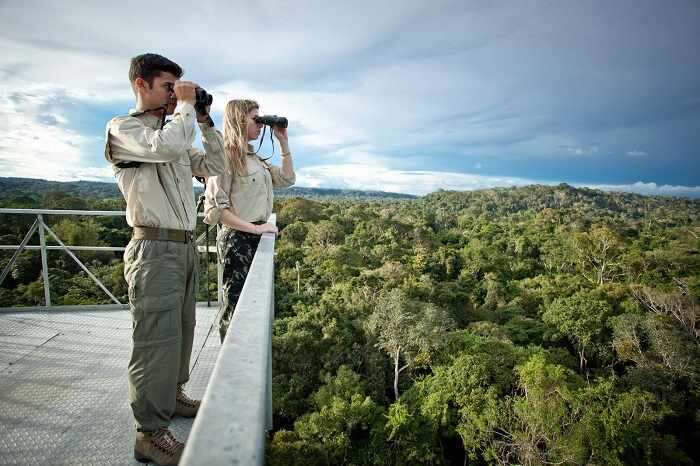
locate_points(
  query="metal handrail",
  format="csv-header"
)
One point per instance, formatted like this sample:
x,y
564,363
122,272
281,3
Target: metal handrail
x,y
41,226
103,213
237,407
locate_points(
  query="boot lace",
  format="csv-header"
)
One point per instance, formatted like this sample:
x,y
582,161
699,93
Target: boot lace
x,y
164,440
184,399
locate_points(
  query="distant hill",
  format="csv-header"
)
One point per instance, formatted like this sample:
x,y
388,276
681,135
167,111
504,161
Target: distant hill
x,y
29,192
558,201
21,187
341,193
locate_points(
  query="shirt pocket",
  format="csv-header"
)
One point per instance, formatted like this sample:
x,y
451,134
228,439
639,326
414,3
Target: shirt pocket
x,y
248,191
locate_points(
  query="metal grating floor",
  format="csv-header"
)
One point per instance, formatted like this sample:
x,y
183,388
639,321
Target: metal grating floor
x,y
63,392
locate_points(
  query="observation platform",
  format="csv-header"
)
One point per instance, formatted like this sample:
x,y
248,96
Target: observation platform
x,y
63,384
63,370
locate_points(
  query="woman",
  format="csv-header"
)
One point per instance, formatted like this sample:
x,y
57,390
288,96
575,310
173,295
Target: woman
x,y
241,198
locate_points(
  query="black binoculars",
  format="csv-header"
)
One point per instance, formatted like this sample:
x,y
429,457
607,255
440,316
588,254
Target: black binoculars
x,y
272,120
202,100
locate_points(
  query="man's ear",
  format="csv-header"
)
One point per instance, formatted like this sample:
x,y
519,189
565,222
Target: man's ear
x,y
141,84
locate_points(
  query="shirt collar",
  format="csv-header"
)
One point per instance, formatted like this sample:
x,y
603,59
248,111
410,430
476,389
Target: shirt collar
x,y
149,118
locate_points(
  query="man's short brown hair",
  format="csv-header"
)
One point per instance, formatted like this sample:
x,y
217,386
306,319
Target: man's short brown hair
x,y
149,65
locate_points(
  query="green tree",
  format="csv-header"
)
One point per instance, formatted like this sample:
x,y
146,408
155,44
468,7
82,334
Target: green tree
x,y
598,254
558,419
582,318
325,233
346,427
404,328
466,397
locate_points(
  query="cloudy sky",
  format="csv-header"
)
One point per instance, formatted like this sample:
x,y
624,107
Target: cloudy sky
x,y
404,96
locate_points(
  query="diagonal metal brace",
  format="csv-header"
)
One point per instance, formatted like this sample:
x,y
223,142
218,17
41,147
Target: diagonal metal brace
x,y
19,250
82,266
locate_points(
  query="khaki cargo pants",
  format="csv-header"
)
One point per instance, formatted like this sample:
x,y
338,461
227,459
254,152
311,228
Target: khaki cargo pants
x,y
162,279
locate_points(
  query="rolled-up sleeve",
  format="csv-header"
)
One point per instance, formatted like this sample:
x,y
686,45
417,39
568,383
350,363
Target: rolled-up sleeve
x,y
211,161
216,197
278,178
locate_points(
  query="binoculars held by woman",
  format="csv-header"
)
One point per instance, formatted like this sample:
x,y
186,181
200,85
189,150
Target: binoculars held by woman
x,y
272,120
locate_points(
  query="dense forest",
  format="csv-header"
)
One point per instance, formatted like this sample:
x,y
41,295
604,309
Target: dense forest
x,y
15,190
533,326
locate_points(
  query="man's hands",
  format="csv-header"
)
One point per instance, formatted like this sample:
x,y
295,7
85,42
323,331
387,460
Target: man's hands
x,y
184,91
265,228
205,117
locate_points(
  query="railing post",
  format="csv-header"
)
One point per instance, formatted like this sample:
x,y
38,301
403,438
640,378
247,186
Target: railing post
x,y
269,356
219,270
207,262
44,263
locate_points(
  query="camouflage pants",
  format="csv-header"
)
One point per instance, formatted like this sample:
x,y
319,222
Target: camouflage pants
x,y
162,279
236,251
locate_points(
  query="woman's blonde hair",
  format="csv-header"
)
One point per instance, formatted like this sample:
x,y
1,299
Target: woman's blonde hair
x,y
236,133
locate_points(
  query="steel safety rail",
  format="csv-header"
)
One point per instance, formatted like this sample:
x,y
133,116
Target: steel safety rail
x,y
42,228
236,410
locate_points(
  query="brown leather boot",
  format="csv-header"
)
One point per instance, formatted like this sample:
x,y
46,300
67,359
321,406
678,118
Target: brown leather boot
x,y
159,447
184,405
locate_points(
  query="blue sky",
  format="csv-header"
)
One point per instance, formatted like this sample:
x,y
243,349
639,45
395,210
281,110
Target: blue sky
x,y
403,96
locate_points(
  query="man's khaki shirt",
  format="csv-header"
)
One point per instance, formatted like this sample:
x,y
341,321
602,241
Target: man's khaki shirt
x,y
248,197
159,192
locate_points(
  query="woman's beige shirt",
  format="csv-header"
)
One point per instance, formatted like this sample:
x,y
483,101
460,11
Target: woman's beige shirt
x,y
248,197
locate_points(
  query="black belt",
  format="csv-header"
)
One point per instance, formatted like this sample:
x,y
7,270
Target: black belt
x,y
163,234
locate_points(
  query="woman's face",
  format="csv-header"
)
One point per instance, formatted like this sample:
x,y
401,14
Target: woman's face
x,y
253,127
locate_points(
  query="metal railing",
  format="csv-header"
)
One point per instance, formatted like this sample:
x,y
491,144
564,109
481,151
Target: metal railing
x,y
42,228
236,410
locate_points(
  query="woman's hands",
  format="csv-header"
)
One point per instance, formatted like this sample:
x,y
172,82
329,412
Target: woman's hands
x,y
281,135
265,228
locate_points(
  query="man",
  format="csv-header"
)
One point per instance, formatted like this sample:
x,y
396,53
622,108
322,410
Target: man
x,y
154,164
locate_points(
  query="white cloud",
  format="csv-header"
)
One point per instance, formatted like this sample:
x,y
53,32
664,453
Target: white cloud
x,y
395,77
582,149
373,177
46,71
649,189
34,144
306,37
94,174
317,114
379,178
37,139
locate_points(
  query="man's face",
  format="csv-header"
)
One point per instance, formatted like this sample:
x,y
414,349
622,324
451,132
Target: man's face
x,y
161,93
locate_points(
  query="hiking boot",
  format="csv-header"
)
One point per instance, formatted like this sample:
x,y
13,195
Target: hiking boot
x,y
159,447
184,405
